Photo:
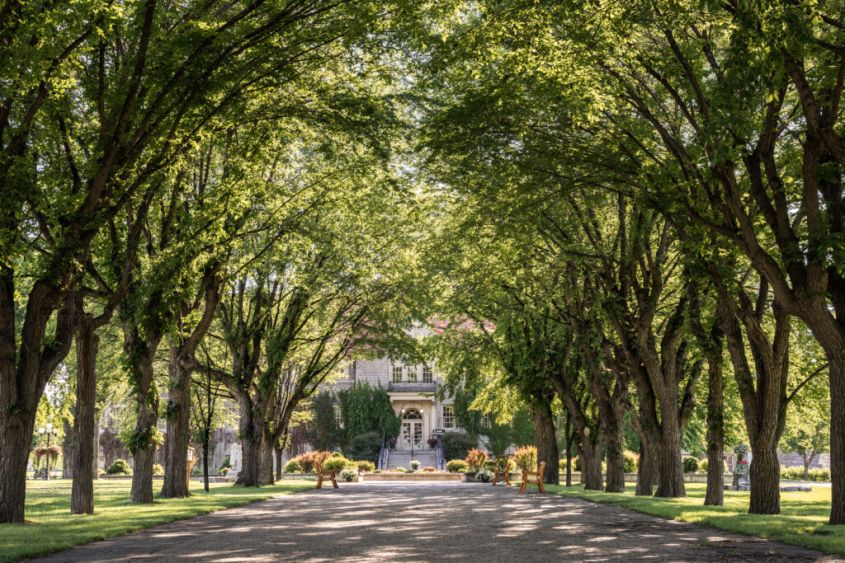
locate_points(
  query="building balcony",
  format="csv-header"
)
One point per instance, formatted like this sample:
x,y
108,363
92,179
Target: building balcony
x,y
412,387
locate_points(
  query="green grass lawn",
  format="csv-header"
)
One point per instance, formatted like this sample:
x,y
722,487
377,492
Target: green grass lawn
x,y
803,518
50,526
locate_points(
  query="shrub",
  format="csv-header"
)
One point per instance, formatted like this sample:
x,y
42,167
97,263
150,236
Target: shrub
x,y
457,444
475,459
483,475
457,466
119,467
348,474
364,446
429,469
400,469
415,464
377,471
819,475
703,464
336,463
690,464
293,466
365,466
158,470
526,458
629,462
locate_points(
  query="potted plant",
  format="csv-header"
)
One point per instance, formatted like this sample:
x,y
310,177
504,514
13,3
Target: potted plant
x,y
432,442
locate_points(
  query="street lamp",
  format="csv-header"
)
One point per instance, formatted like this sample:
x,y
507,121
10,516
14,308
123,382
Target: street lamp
x,y
48,432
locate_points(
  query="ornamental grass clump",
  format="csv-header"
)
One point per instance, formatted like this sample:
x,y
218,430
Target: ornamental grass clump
x,y
475,459
526,458
503,463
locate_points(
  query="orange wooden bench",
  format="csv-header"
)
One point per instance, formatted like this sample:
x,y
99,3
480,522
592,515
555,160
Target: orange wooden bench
x,y
502,476
532,478
327,475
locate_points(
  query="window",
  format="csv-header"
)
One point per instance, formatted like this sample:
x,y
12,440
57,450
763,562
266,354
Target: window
x,y
427,373
448,416
485,421
397,374
412,374
338,419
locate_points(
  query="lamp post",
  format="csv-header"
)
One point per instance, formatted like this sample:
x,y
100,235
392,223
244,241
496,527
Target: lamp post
x,y
48,432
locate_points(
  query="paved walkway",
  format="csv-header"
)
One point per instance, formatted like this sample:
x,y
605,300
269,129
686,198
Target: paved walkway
x,y
430,522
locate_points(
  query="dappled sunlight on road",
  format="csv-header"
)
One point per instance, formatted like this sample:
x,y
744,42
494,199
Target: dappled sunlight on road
x,y
428,522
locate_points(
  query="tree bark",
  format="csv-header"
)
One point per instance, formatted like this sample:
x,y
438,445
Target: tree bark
x,y
670,481
178,427
615,461
590,462
837,436
544,427
82,488
765,480
278,452
15,440
250,443
714,495
265,461
69,445
568,436
143,446
646,471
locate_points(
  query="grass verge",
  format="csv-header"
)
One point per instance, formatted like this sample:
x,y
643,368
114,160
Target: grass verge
x,y
803,518
50,527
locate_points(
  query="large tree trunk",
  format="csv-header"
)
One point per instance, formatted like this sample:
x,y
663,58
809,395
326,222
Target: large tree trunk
x,y
544,427
670,480
265,461
590,462
569,437
69,445
143,445
250,443
714,495
178,427
837,436
15,439
765,479
82,489
615,458
278,452
646,470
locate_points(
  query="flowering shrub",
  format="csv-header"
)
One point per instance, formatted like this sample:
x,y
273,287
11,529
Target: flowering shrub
x,y
483,475
429,469
475,459
414,464
348,475
503,463
526,458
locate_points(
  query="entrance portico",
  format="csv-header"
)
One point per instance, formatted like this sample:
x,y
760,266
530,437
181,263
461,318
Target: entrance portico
x,y
417,415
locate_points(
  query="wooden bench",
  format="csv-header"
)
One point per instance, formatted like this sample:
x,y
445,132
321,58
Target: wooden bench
x,y
327,475
502,476
532,478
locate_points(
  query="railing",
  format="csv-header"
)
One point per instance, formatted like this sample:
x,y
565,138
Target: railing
x,y
441,455
382,454
412,387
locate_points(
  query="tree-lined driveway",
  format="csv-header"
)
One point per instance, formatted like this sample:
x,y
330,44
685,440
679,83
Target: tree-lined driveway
x,y
431,522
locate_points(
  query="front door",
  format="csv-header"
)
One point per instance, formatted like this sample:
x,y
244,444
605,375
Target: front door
x,y
412,429
412,434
